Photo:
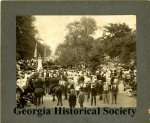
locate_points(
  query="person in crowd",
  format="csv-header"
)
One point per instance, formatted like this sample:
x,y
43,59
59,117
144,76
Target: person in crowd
x,y
72,99
47,83
81,79
93,94
111,73
66,83
115,72
44,77
106,92
54,82
114,91
111,81
103,77
98,74
71,87
77,89
81,97
39,83
120,74
100,89
88,90
30,83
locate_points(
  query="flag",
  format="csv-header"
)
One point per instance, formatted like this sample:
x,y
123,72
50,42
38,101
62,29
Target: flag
x,y
35,52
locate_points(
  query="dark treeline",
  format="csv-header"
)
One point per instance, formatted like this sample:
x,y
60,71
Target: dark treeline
x,y
26,39
118,43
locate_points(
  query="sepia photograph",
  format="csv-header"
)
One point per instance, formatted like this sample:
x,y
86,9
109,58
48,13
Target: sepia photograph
x,y
76,61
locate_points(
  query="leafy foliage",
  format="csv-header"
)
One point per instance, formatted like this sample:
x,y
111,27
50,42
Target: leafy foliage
x,y
117,42
78,42
25,38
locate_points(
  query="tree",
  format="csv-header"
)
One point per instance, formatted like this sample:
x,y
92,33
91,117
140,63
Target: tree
x,y
78,42
97,54
128,49
26,38
116,30
119,41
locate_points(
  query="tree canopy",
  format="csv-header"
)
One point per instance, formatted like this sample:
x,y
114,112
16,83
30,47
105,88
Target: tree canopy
x,y
26,38
78,42
117,42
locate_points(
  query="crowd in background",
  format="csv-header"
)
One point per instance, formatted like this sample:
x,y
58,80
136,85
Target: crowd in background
x,y
76,83
26,64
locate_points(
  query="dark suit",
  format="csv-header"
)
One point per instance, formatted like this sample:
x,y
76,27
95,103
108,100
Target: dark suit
x,y
93,95
101,91
114,91
72,100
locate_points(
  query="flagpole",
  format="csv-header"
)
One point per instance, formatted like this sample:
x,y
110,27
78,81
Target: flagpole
x,y
35,55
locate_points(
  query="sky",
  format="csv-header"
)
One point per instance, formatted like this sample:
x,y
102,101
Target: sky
x,y
52,29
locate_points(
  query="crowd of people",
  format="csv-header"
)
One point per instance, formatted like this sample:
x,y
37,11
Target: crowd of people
x,y
79,84
26,64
